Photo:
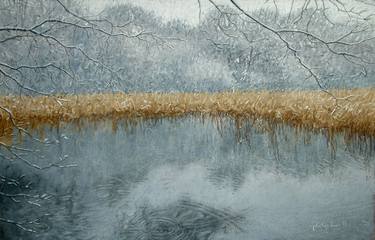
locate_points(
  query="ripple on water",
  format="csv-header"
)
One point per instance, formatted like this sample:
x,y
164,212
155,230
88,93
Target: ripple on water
x,y
184,220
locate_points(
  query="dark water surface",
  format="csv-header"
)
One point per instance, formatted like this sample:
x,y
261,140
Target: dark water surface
x,y
187,179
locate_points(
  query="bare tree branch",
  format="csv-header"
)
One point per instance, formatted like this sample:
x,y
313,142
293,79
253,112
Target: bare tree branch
x,y
330,45
17,224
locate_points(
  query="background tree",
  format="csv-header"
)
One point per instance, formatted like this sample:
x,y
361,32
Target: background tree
x,y
58,47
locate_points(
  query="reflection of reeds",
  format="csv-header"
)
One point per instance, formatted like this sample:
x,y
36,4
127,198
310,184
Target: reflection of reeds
x,y
183,221
353,111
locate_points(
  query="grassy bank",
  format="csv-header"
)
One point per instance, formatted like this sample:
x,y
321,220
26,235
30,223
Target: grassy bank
x,y
352,112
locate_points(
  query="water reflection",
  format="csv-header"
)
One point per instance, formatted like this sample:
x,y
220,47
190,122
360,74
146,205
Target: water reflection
x,y
186,180
184,220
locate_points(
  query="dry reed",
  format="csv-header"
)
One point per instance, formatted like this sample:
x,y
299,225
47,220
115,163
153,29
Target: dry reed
x,y
352,112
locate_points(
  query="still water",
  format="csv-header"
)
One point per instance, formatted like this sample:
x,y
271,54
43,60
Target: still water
x,y
188,179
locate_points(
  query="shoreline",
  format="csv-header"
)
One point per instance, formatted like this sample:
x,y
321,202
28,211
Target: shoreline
x,y
353,111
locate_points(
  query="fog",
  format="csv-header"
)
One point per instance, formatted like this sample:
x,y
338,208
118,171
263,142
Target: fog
x,y
185,177
193,11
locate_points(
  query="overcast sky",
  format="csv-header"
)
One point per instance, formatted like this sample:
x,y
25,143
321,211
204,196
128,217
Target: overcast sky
x,y
188,10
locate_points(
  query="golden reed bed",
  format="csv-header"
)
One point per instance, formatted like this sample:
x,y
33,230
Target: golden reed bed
x,y
352,112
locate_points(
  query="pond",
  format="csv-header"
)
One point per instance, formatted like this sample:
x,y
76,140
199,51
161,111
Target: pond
x,y
188,179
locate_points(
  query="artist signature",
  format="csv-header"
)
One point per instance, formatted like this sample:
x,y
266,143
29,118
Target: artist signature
x,y
334,226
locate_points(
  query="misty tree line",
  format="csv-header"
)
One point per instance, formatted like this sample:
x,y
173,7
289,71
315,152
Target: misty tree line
x,y
50,47
56,47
